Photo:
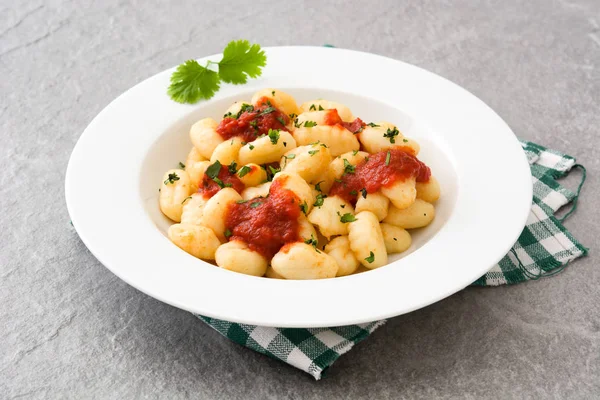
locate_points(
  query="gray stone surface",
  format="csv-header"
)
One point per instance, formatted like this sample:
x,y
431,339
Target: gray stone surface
x,y
71,329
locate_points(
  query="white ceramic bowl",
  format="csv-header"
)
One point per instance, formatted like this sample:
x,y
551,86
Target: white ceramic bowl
x,y
115,170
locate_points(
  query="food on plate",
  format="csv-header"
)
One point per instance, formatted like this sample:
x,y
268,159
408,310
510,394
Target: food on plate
x,y
297,192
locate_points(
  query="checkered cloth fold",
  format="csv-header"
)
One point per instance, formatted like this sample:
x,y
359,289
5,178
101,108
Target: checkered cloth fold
x,y
544,248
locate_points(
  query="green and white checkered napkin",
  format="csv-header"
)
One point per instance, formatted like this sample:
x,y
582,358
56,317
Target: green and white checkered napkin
x,y
544,248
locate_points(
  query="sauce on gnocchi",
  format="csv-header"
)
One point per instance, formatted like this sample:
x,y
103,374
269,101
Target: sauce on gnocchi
x,y
380,169
253,121
297,192
265,223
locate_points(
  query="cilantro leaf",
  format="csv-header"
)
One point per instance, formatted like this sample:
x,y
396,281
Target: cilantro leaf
x,y
240,61
192,82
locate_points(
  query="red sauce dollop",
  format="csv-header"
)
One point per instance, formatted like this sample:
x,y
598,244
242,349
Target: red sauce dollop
x,y
332,117
251,124
209,187
266,223
374,173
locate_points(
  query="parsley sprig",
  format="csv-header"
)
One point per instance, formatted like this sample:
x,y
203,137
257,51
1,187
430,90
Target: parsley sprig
x,y
192,82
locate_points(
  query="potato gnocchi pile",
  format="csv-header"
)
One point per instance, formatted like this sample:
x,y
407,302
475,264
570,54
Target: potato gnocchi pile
x,y
290,192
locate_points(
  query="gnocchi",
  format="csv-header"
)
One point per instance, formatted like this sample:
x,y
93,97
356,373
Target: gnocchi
x,y
297,192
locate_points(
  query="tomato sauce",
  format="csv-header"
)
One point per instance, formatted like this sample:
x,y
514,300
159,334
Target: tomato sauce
x,y
209,187
380,170
266,223
252,123
333,118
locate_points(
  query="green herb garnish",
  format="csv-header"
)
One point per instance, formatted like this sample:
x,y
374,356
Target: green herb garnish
x,y
391,134
171,178
388,157
192,82
347,217
348,168
371,258
213,170
274,135
319,200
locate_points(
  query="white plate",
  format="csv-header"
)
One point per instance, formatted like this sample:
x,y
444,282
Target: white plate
x,y
115,170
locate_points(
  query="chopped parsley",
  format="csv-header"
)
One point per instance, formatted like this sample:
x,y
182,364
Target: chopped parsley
x,y
228,115
372,125
391,134
241,201
244,108
321,108
267,110
312,107
348,168
232,167
251,147
281,121
338,180
313,242
213,170
186,199
220,182
292,116
318,186
255,204
228,233
304,208
405,140
364,192
181,165
347,217
355,152
274,135
244,170
388,157
171,178
290,156
353,192
313,152
309,124
371,258
319,200
254,124
273,92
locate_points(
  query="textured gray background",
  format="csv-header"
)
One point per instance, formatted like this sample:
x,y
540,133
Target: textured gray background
x,y
71,329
